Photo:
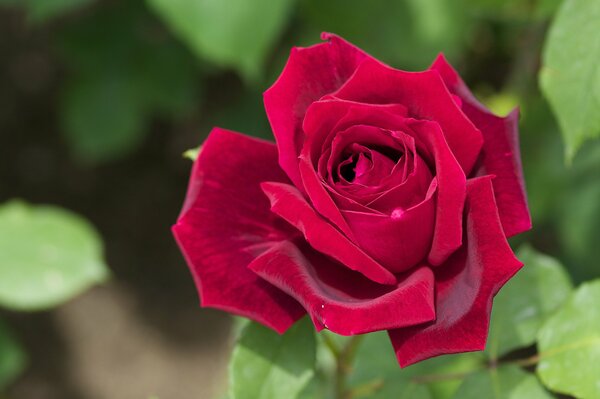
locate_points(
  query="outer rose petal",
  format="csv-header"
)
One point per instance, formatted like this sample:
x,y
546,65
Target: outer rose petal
x,y
309,74
465,285
226,223
501,155
426,97
344,301
287,202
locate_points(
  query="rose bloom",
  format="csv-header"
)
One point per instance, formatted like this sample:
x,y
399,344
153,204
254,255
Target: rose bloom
x,y
385,204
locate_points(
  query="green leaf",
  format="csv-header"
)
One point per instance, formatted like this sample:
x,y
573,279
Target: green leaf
x,y
47,256
125,71
445,365
266,365
506,382
570,76
520,308
231,33
579,220
569,345
376,360
12,358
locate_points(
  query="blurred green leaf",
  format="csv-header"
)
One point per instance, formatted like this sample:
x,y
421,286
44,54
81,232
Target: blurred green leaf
x,y
570,76
125,71
47,256
408,34
513,9
547,8
505,382
231,33
12,357
376,360
42,10
579,223
569,345
266,365
545,174
524,303
102,116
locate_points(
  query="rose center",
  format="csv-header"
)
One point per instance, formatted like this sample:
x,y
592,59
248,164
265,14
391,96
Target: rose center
x,y
355,166
365,166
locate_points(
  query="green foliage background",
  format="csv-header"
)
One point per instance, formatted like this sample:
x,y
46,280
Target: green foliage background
x,y
132,68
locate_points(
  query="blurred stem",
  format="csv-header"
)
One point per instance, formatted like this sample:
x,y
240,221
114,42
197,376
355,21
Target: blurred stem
x,y
428,378
367,389
523,74
344,358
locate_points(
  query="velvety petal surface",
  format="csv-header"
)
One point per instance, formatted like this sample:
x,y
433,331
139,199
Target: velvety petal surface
x,y
288,202
465,285
309,74
426,97
400,240
451,192
344,301
226,223
501,154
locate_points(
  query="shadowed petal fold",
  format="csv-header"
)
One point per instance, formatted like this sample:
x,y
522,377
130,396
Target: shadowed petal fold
x,y
344,301
226,223
464,285
288,202
451,192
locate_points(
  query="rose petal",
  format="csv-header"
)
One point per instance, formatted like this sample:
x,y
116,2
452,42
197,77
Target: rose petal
x,y
324,118
395,190
309,74
451,192
426,97
344,301
398,241
320,198
287,202
226,223
465,285
501,155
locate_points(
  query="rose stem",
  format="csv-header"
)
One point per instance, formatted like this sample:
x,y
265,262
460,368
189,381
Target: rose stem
x,y
344,360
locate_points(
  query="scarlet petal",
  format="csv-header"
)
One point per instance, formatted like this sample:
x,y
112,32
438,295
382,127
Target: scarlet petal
x,y
287,202
309,74
465,285
425,96
344,301
226,223
398,241
450,195
320,198
501,155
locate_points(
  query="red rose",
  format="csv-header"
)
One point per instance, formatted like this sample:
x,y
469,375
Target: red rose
x,y
385,205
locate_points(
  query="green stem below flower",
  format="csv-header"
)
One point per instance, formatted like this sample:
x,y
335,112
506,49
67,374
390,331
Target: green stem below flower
x,y
344,360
